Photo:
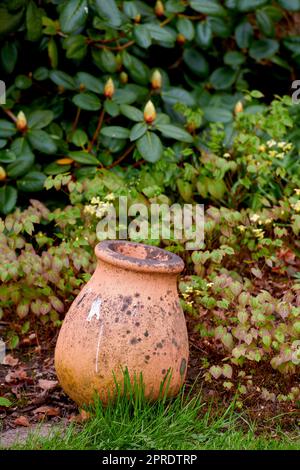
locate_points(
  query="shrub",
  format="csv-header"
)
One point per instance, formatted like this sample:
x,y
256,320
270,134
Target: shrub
x,y
78,102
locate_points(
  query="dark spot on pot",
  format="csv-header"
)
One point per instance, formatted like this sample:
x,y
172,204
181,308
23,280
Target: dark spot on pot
x,y
169,291
159,345
149,298
128,331
116,320
165,353
182,366
137,323
80,300
123,336
163,371
137,294
146,333
161,299
175,343
128,312
134,341
147,357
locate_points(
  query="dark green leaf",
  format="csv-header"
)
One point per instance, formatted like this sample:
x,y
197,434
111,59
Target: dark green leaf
x,y
134,114
56,169
244,34
234,58
105,60
165,35
150,147
109,11
138,131
223,78
76,47
9,56
23,82
62,79
73,15
33,21
204,34
39,119
264,22
9,22
214,114
115,132
263,49
90,82
84,158
186,27
291,5
178,95
7,128
174,132
142,35
87,101
124,96
42,141
250,5
8,199
7,156
208,7
196,62
32,182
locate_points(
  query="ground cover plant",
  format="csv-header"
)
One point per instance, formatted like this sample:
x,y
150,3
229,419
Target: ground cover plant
x,y
158,102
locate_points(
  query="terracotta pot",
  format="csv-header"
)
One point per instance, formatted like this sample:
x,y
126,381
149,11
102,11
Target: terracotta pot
x,y
127,316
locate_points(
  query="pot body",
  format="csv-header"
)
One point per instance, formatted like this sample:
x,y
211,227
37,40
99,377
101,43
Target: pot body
x,y
122,319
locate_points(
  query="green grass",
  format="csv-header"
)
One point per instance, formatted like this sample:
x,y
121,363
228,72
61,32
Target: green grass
x,y
179,424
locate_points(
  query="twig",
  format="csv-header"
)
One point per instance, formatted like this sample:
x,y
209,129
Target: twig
x,y
10,114
167,20
115,48
127,152
98,128
75,123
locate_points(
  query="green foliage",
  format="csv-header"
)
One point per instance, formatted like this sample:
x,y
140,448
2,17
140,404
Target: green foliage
x,y
92,67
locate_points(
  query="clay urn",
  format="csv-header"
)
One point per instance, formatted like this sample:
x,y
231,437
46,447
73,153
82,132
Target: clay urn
x,y
127,317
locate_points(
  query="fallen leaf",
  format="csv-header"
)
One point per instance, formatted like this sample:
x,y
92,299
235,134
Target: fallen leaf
x,y
81,417
47,384
15,376
47,410
22,421
9,360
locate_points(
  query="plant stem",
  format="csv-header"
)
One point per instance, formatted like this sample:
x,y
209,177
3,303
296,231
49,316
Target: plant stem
x,y
121,158
98,128
75,123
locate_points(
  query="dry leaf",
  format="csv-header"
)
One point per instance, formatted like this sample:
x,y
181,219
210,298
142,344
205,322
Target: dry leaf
x,y
47,384
16,375
9,360
81,417
47,411
22,421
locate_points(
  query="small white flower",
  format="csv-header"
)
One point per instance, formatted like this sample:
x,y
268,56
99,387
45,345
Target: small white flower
x,y
254,217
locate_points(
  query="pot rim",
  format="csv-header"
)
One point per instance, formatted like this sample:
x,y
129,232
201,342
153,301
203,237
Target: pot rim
x,y
139,257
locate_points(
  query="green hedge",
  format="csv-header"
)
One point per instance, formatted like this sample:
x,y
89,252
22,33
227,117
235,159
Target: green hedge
x,y
79,74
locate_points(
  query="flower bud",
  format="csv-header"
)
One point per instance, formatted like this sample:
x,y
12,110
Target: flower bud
x,y
109,88
159,8
137,18
149,112
156,80
2,174
180,38
239,108
21,122
123,77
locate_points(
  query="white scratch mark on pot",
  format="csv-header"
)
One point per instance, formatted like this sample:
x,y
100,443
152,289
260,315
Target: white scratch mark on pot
x,y
98,347
95,310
